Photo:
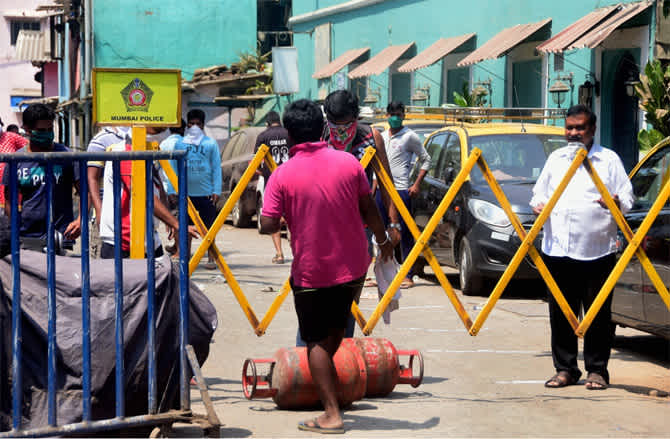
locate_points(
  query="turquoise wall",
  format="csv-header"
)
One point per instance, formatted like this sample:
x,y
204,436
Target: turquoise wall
x,y
425,21
172,34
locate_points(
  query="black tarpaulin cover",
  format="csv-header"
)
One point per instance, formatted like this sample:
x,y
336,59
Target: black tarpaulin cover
x,y
202,321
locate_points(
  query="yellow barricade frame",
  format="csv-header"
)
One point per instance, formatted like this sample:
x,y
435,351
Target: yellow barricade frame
x,y
422,239
526,246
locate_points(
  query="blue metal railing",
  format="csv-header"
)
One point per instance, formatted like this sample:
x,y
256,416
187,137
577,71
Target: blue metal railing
x,y
120,421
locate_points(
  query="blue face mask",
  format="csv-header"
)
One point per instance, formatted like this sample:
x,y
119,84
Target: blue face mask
x,y
395,122
41,138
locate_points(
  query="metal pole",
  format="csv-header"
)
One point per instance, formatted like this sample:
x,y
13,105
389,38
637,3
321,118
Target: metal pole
x,y
51,297
17,358
151,286
183,285
230,121
66,63
118,290
85,295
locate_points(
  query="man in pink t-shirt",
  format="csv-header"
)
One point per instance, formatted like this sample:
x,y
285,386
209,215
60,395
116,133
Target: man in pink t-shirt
x,y
324,196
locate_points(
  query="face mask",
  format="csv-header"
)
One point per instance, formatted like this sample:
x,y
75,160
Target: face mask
x,y
395,122
41,139
193,135
341,136
573,147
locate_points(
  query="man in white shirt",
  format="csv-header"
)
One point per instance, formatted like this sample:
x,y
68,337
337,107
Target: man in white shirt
x,y
401,145
579,245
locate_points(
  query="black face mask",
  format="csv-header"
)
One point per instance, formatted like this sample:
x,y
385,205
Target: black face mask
x,y
42,139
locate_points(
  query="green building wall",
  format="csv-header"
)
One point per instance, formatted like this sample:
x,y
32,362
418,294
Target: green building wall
x,y
184,35
394,22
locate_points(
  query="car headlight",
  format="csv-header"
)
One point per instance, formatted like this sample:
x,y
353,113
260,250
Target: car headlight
x,y
488,213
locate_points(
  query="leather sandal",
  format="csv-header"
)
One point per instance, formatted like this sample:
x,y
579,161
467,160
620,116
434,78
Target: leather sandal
x,y
595,381
561,379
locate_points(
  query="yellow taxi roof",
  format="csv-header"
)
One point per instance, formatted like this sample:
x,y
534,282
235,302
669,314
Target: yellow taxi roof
x,y
480,129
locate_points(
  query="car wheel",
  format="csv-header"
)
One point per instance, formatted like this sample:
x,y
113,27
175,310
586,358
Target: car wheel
x,y
471,283
240,219
259,208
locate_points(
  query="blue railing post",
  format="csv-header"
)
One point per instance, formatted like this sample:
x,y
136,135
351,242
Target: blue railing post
x,y
51,296
118,291
17,357
151,287
184,253
85,292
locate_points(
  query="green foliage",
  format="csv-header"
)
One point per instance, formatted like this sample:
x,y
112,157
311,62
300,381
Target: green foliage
x,y
469,99
647,139
653,91
260,88
252,61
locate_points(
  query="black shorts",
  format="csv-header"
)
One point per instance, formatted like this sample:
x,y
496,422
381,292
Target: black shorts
x,y
321,310
206,209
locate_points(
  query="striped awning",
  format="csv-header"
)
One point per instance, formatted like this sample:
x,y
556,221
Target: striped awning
x,y
593,28
437,51
32,45
340,62
504,41
380,62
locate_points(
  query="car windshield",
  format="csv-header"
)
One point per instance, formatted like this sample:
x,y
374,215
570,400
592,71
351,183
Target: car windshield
x,y
649,179
514,157
424,131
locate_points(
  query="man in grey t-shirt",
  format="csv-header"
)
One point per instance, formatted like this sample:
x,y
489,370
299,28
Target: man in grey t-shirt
x,y
401,145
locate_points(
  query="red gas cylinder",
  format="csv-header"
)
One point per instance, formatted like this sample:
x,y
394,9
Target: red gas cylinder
x,y
383,366
289,381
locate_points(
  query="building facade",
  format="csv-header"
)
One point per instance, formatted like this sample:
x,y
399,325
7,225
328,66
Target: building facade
x,y
18,76
172,34
519,53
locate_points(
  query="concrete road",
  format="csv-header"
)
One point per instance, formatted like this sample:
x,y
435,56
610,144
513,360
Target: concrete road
x,y
488,385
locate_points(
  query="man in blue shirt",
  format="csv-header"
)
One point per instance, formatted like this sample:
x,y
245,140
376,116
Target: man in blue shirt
x,y
204,170
38,122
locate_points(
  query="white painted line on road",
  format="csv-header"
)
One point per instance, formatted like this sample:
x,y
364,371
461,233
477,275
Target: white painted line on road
x,y
479,351
414,307
521,382
432,330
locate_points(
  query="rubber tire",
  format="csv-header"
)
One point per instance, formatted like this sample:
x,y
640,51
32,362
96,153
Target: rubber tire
x,y
240,220
471,283
259,208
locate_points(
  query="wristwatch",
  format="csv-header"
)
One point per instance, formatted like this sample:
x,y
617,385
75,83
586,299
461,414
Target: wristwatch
x,y
395,226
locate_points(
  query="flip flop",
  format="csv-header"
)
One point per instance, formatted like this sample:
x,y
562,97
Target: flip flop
x,y
316,428
561,379
278,259
595,381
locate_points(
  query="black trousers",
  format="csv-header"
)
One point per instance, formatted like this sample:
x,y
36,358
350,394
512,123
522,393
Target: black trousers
x,y
580,282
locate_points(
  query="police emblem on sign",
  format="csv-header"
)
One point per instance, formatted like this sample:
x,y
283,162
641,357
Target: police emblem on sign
x,y
137,95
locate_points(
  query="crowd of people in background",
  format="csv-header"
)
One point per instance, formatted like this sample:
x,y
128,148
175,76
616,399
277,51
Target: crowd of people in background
x,y
342,131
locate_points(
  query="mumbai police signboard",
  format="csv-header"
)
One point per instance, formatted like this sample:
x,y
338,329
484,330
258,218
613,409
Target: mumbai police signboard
x,y
143,97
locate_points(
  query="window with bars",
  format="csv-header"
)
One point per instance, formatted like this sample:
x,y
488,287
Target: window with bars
x,y
19,25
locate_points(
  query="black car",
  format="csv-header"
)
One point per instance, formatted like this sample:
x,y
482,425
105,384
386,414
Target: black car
x,y
475,234
636,303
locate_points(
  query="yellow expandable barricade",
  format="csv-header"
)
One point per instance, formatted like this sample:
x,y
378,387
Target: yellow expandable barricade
x,y
422,238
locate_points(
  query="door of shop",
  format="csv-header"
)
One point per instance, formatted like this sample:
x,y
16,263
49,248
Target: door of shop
x,y
527,84
619,113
